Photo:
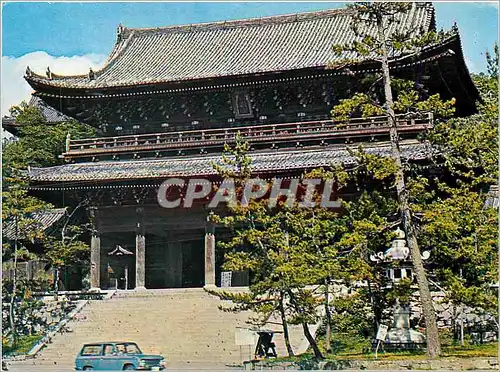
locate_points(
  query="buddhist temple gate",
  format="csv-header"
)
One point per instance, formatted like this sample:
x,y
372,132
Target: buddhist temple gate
x,y
273,80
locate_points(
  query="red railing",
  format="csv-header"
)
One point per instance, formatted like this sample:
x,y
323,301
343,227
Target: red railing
x,y
258,133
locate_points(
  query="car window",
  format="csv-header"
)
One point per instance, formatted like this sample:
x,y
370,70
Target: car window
x,y
128,349
132,349
120,349
91,350
108,349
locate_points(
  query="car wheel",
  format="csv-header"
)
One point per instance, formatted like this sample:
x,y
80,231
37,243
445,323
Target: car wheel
x,y
88,368
129,367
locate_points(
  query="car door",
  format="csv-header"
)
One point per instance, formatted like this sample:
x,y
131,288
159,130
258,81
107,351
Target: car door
x,y
126,355
109,358
90,356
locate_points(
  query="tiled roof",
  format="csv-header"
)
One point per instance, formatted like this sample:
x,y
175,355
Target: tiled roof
x,y
50,113
209,50
268,162
52,116
41,220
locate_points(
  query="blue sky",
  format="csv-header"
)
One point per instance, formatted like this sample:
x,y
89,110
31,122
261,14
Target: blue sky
x,y
66,29
70,37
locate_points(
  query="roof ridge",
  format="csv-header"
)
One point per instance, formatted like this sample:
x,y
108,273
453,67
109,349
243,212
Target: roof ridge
x,y
253,21
135,44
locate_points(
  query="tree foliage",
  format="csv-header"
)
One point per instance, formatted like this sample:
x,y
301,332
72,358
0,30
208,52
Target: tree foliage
x,y
40,143
17,211
457,224
295,253
378,37
270,242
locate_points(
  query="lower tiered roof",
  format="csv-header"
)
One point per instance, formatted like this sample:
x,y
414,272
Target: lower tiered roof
x,y
266,162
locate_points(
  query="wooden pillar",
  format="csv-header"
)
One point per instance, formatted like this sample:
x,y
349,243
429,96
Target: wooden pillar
x,y
140,251
95,262
210,255
95,252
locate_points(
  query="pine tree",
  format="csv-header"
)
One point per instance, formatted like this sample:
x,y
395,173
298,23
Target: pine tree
x,y
386,40
460,223
286,247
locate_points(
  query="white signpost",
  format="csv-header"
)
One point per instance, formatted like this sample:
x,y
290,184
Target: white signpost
x,y
225,278
381,334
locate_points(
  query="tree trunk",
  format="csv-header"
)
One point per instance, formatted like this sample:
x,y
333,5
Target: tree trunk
x,y
56,283
14,288
328,319
305,327
433,345
453,323
284,323
462,342
282,309
312,341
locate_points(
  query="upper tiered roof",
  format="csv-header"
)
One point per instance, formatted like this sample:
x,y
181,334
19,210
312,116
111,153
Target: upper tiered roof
x,y
232,48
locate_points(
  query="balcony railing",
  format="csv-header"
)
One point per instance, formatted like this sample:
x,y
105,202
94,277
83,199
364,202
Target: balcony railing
x,y
299,131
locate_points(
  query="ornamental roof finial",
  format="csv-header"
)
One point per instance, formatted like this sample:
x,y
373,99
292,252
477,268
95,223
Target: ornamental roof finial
x,y
91,74
48,73
119,31
28,71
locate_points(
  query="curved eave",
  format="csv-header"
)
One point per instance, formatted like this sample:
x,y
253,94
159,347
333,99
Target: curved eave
x,y
76,174
10,125
470,86
57,88
460,78
42,84
179,54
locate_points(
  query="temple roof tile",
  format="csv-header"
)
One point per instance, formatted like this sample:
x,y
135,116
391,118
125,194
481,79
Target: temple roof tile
x,y
230,48
262,162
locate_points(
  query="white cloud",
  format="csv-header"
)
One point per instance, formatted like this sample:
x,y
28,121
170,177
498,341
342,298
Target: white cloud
x,y
15,89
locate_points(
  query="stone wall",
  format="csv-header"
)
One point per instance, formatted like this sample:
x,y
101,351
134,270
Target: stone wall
x,y
440,364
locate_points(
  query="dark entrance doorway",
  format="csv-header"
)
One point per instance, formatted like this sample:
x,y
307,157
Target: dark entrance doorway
x,y
193,268
156,250
175,260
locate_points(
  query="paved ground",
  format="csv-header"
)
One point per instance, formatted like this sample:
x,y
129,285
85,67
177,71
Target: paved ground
x,y
26,368
186,326
48,368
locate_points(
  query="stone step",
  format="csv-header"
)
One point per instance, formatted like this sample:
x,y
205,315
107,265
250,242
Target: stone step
x,y
184,325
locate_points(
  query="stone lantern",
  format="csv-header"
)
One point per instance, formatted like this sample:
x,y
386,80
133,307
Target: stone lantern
x,y
400,335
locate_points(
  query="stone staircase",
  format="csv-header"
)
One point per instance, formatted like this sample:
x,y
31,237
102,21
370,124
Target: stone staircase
x,y
184,325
